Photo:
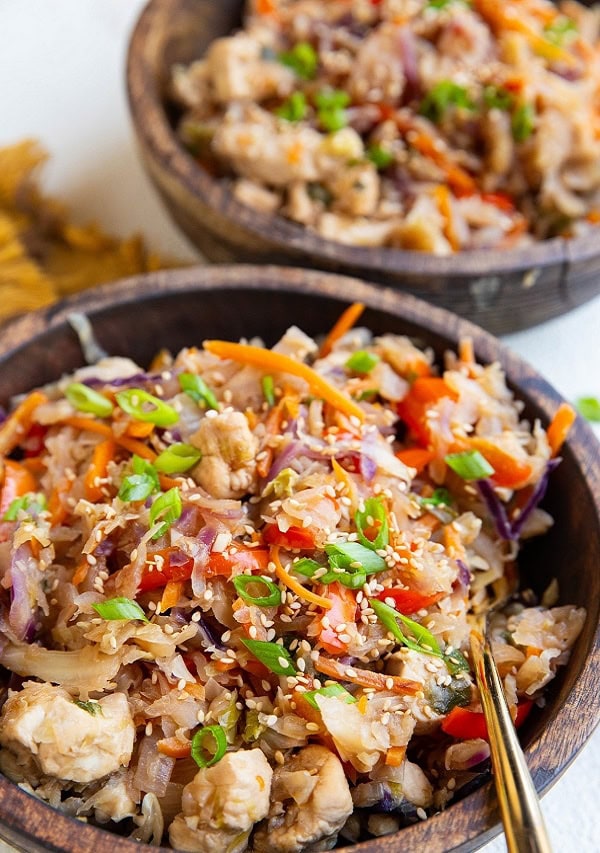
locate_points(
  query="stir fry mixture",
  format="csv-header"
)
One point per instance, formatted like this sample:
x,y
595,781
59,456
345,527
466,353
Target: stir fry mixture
x,y
235,590
431,125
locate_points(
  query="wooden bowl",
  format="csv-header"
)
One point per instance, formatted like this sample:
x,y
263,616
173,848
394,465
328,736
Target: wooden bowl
x,y
172,309
501,290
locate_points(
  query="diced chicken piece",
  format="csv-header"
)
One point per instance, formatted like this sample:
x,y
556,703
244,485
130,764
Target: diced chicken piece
x,y
356,189
311,803
300,206
378,73
422,230
191,85
111,802
222,803
238,71
256,196
356,232
66,740
228,467
256,150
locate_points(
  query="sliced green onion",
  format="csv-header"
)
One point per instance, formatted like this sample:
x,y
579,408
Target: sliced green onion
x,y
166,508
302,59
497,98
589,408
523,122
117,609
198,390
93,708
561,31
294,108
443,95
330,690
201,754
380,157
456,662
422,639
353,579
440,497
268,389
85,399
470,465
273,656
142,483
242,582
353,556
306,567
32,500
177,458
373,515
146,407
362,361
331,108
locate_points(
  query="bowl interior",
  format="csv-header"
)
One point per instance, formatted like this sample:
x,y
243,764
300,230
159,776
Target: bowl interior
x,y
178,308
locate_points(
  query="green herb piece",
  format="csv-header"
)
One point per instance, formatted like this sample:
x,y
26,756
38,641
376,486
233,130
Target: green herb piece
x,y
142,483
119,609
253,728
142,406
523,122
368,394
440,497
198,390
85,399
166,508
228,718
33,501
362,362
353,556
294,108
422,640
302,59
177,458
561,31
456,662
470,465
93,708
330,690
272,655
306,567
331,108
283,484
373,517
444,94
242,584
495,97
318,192
444,698
589,408
380,157
268,389
355,578
200,752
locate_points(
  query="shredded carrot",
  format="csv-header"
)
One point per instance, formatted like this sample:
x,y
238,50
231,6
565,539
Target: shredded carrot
x,y
81,572
226,666
560,426
532,651
139,429
593,216
19,422
195,689
363,704
342,476
343,324
174,748
453,543
270,361
443,198
104,452
459,181
295,585
56,508
415,457
365,677
171,595
395,756
16,482
465,351
130,444
35,548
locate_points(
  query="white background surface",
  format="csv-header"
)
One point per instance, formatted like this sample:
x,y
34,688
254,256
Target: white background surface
x,y
62,64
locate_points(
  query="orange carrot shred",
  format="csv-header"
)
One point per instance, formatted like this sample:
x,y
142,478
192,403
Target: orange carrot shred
x,y
130,444
560,426
19,422
395,756
171,595
174,748
295,585
104,452
270,361
343,324
81,572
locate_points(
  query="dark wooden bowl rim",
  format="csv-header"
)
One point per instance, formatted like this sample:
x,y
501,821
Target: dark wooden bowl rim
x,y
152,123
466,825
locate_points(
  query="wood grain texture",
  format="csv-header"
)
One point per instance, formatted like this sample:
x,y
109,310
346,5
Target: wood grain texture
x,y
501,290
182,307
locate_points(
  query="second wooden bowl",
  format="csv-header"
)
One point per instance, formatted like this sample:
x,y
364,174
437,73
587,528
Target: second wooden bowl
x,y
501,290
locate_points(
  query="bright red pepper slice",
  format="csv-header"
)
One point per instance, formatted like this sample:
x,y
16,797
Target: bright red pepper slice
x,y
408,601
178,566
294,537
466,725
424,393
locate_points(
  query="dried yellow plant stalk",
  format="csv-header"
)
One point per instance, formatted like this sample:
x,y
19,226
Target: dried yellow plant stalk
x,y
44,256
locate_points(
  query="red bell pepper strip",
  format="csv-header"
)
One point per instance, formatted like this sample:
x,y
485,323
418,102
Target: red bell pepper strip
x,y
424,393
17,481
465,724
294,537
177,566
408,601
342,612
